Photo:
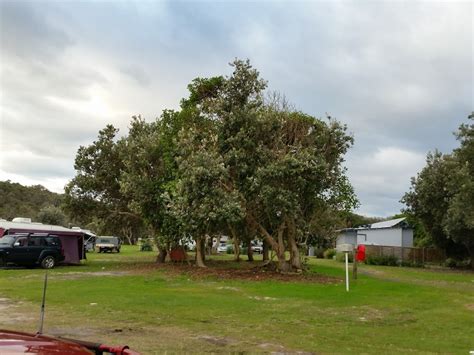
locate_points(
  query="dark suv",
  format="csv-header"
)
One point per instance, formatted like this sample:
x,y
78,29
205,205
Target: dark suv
x,y
31,249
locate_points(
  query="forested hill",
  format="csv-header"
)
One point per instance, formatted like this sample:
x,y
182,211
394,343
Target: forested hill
x,y
17,200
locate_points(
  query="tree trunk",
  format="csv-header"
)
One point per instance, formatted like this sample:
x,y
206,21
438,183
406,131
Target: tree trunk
x,y
215,246
161,258
470,250
294,251
250,251
208,242
278,246
199,252
203,248
236,242
236,248
283,264
266,250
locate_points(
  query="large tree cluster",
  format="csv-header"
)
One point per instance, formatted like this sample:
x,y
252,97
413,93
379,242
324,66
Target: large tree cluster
x,y
233,160
35,202
442,196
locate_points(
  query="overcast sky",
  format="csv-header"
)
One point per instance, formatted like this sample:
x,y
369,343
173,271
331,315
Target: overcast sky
x,y
399,74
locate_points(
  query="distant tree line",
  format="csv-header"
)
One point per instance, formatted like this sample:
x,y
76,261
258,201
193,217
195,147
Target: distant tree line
x,y
35,202
232,160
441,197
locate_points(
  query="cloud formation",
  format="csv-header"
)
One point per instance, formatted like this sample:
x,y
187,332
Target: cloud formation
x,y
397,73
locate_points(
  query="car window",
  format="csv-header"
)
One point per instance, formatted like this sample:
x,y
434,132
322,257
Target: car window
x,y
7,240
22,241
35,242
51,241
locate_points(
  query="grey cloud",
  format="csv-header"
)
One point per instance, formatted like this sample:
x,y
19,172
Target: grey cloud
x,y
395,72
138,74
33,165
26,32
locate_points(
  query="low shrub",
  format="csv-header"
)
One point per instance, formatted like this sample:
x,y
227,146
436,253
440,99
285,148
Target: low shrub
x,y
388,260
230,249
340,257
329,254
457,264
146,245
319,253
409,263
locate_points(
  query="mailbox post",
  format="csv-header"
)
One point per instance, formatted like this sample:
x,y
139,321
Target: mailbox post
x,y
346,249
346,254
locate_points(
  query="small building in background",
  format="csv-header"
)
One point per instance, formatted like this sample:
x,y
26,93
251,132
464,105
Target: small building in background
x,y
395,233
72,240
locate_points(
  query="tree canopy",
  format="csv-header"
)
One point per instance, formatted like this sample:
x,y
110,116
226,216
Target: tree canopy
x,y
229,161
442,196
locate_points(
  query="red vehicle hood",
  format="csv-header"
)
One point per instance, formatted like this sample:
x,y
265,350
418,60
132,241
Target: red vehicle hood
x,y
17,342
25,343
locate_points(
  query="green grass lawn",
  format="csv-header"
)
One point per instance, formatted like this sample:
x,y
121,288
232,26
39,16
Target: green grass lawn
x,y
126,298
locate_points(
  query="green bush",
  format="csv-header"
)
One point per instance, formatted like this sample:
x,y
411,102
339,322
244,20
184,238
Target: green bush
x,y
329,254
146,245
319,253
409,263
230,249
450,262
457,264
340,257
388,260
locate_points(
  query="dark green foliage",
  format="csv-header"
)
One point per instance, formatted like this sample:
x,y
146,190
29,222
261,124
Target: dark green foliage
x,y
353,220
319,253
442,196
341,258
409,263
388,260
25,201
147,245
225,163
52,215
95,194
329,254
450,262
421,238
457,264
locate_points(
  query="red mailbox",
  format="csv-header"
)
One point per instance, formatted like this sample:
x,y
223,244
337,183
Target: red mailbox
x,y
360,253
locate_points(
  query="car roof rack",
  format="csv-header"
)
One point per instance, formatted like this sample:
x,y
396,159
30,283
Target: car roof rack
x,y
33,235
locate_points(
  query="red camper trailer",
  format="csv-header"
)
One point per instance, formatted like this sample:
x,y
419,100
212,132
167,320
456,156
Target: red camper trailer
x,y
71,240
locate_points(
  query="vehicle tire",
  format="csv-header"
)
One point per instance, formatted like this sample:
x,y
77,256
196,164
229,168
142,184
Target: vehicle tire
x,y
3,261
118,250
48,262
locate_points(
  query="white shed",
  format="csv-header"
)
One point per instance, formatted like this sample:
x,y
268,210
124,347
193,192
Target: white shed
x,y
395,233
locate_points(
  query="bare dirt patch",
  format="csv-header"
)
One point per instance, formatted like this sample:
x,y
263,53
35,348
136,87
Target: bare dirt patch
x,y
470,306
216,340
10,312
245,271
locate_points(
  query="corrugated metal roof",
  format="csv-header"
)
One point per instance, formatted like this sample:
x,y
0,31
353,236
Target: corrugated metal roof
x,y
387,224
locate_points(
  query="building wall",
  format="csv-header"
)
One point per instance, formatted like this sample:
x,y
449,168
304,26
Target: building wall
x,y
395,237
407,237
383,236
